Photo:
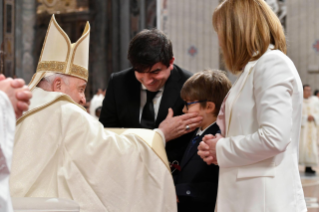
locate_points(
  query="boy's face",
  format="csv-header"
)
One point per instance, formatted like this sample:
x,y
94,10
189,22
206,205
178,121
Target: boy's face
x,y
196,107
205,112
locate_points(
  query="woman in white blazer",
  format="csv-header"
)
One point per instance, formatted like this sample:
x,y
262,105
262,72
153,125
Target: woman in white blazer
x,y
260,117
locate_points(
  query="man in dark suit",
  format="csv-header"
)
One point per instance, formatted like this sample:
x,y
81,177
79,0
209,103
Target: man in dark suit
x,y
140,97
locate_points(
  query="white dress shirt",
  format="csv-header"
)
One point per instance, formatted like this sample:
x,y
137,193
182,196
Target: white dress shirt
x,y
200,132
96,102
156,101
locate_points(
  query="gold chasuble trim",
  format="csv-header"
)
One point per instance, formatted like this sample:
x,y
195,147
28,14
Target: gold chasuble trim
x,y
58,97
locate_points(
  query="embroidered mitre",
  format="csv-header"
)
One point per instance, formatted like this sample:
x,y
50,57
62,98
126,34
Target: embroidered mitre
x,y
60,56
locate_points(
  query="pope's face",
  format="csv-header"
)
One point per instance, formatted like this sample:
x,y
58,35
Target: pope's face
x,y
156,77
75,89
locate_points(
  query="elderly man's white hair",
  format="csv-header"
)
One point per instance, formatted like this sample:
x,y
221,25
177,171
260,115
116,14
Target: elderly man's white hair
x,y
49,78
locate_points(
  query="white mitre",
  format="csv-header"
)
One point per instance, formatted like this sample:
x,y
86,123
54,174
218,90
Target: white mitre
x,y
60,56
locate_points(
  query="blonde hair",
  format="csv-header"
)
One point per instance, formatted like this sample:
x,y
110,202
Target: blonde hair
x,y
245,29
208,85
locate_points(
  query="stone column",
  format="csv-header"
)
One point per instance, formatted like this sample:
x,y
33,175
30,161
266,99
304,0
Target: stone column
x,y
98,45
124,33
25,19
110,40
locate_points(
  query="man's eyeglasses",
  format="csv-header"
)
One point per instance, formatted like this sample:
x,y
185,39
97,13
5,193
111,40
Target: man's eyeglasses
x,y
190,103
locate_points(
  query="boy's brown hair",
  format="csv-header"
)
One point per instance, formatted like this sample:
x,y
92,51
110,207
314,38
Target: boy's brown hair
x,y
209,85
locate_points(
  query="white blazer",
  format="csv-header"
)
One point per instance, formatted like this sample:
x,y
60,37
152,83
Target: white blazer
x,y
258,157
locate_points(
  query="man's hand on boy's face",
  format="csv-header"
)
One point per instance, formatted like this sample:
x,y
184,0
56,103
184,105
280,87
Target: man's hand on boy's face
x,y
176,126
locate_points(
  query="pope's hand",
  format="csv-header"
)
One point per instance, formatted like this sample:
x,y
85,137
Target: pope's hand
x,y
176,126
207,148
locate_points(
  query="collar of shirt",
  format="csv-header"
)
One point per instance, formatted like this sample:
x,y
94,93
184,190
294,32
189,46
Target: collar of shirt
x,y
144,88
156,101
200,132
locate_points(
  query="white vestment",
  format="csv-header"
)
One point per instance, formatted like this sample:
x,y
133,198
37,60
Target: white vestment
x,y
317,98
62,151
7,126
308,152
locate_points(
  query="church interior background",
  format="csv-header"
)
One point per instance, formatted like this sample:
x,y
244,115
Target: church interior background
x,y
187,23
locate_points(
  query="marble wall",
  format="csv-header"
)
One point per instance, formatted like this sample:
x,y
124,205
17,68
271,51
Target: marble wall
x,y
188,24
303,39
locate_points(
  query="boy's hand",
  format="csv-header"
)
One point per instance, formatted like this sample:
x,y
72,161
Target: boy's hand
x,y
176,126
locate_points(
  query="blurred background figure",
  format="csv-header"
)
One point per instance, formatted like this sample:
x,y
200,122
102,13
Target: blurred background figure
x,y
279,7
97,101
87,107
316,96
308,152
98,111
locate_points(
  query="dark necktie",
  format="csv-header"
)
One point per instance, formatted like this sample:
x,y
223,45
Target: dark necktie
x,y
148,120
192,144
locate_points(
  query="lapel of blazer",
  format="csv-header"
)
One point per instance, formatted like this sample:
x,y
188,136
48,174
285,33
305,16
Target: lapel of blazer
x,y
170,96
186,157
242,81
134,91
248,69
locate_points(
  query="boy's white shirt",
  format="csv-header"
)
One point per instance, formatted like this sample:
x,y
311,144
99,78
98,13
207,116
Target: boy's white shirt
x,y
200,132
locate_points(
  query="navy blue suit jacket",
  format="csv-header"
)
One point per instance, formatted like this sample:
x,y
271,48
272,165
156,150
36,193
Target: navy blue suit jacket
x,y
197,182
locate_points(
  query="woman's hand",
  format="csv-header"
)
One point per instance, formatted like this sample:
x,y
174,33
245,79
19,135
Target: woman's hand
x,y
207,148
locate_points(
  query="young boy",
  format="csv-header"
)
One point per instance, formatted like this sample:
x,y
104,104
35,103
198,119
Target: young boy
x,y
197,182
